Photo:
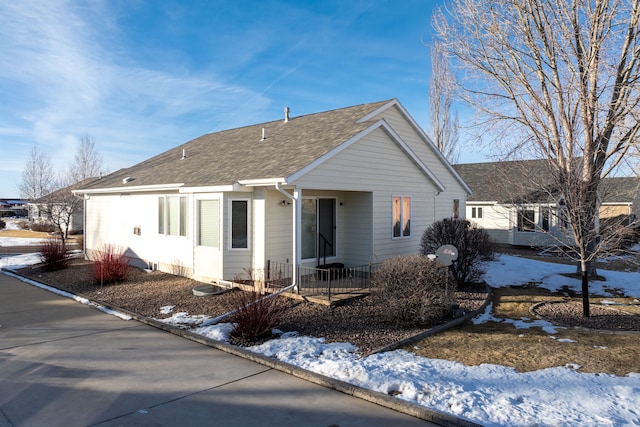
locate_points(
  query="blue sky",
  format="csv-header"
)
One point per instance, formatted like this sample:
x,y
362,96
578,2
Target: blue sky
x,y
142,76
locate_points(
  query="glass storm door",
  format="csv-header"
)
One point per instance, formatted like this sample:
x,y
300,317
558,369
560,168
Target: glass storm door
x,y
318,228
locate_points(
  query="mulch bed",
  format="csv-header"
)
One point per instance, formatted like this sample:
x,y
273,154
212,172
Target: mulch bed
x,y
571,314
356,321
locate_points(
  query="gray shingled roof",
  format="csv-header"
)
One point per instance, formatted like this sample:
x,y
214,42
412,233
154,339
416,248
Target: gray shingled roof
x,y
226,157
65,192
619,189
514,181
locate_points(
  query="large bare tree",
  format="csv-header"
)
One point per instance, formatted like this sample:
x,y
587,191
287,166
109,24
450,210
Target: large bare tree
x,y
57,205
38,176
443,121
558,79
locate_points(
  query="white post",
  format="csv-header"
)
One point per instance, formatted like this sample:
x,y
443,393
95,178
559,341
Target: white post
x,y
297,236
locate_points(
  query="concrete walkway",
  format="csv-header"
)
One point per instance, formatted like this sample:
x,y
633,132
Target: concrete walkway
x,y
67,364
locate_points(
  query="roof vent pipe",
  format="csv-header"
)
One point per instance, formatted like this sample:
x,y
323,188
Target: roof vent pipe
x,y
184,153
264,134
286,114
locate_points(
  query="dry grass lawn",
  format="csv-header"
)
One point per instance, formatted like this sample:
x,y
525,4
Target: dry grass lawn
x,y
24,234
35,235
534,349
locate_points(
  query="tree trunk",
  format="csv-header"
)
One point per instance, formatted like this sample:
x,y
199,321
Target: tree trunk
x,y
591,268
585,288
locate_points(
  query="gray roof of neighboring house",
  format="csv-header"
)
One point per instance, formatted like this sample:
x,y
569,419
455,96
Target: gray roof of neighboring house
x,y
229,156
64,192
530,180
619,189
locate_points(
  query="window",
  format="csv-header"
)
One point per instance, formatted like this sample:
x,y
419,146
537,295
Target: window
x,y
401,216
239,224
172,215
545,214
161,215
476,212
456,208
208,223
526,220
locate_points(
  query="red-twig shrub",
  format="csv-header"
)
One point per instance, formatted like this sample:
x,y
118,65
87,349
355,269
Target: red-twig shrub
x,y
53,254
256,315
111,265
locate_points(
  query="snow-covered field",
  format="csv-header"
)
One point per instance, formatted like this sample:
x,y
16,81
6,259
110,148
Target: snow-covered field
x,y
491,395
12,224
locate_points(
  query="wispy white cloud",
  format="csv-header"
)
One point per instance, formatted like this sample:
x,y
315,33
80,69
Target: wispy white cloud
x,y
63,78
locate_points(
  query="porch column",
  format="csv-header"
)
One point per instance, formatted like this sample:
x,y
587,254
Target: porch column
x,y
297,236
259,228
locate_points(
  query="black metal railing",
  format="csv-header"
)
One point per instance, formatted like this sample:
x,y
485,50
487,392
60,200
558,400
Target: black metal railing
x,y
329,283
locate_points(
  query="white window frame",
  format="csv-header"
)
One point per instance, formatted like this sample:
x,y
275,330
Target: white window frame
x,y
402,218
520,212
230,222
476,212
182,214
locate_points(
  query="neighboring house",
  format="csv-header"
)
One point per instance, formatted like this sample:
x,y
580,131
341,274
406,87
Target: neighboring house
x,y
349,186
516,203
60,207
13,207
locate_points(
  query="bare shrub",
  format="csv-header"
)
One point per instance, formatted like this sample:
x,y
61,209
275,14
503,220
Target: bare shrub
x,y
53,254
412,290
256,314
111,264
177,268
474,246
46,228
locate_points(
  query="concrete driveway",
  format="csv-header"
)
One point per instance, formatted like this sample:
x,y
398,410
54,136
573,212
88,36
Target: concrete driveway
x,y
67,364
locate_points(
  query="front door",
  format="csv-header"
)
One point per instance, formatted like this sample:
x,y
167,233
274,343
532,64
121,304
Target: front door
x,y
318,228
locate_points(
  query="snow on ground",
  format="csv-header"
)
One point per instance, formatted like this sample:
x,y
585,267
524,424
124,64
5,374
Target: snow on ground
x,y
20,241
491,395
511,270
12,224
14,262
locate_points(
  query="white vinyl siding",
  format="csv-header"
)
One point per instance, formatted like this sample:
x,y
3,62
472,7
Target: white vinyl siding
x,y
279,232
454,189
133,224
377,166
237,261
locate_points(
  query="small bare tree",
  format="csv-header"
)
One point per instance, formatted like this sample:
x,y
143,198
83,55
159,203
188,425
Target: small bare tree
x,y
37,177
560,80
58,207
444,122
